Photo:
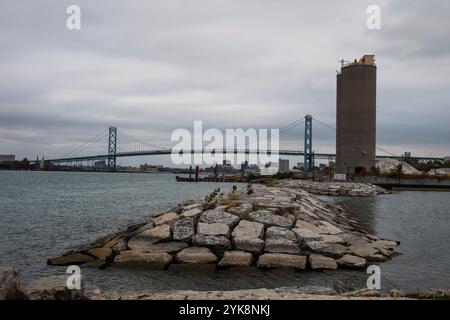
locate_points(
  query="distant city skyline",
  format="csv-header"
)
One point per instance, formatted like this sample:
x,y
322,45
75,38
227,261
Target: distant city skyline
x,y
154,66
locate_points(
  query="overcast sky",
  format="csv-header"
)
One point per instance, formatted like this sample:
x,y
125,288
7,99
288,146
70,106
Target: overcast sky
x,y
149,67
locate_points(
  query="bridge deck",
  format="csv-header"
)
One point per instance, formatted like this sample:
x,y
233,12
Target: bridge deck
x,y
323,156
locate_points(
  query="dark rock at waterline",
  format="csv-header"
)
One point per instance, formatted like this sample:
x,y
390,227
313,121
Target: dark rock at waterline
x,y
236,259
75,258
54,288
320,262
100,253
10,285
196,255
282,260
148,260
351,262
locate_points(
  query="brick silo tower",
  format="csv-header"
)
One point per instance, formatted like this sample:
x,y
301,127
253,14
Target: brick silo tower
x,y
356,116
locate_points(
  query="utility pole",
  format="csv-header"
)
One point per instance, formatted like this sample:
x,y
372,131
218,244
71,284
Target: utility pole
x,y
400,170
329,170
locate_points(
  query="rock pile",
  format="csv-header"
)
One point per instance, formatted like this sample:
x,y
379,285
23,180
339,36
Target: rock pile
x,y
348,189
269,227
387,166
10,284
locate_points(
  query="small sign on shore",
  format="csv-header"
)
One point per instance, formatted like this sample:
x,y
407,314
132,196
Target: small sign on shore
x,y
340,177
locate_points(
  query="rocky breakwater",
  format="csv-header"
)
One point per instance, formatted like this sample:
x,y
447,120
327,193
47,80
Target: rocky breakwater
x,y
348,189
266,227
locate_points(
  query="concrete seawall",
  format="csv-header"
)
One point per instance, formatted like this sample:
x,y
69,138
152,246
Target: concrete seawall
x,y
407,183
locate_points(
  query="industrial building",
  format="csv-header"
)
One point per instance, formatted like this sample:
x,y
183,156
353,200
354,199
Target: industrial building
x,y
283,165
356,116
7,157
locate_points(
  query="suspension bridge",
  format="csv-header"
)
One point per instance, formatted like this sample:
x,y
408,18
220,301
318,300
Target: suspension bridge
x,y
120,144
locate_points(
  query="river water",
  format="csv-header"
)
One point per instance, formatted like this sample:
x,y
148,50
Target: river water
x,y
47,213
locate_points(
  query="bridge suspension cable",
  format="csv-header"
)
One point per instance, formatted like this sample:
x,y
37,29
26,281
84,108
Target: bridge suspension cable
x,y
291,125
128,143
325,124
84,146
385,151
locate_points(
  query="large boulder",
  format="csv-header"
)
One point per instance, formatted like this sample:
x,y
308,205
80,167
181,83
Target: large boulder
x,y
166,218
192,213
278,206
133,230
313,246
281,240
117,245
329,228
235,259
139,244
241,209
217,243
334,250
183,230
169,247
74,258
253,245
280,260
54,288
304,235
331,238
365,251
385,243
385,247
441,294
219,216
247,236
248,229
213,229
10,284
192,207
269,219
152,260
100,253
352,262
320,262
196,255
154,235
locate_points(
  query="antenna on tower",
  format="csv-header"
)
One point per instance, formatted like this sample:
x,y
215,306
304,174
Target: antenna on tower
x,y
343,62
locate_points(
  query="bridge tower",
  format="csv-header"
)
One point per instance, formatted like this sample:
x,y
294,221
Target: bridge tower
x,y
308,143
112,146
